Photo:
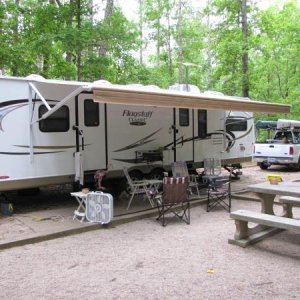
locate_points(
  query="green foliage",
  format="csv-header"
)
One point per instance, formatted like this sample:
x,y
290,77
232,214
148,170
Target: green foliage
x,y
60,41
275,74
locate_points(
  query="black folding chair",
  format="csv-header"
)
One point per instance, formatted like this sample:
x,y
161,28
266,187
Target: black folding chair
x,y
180,169
218,193
174,200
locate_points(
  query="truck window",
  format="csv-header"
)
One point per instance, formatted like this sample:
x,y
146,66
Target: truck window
x,y
284,137
297,136
91,113
202,123
236,124
59,121
184,117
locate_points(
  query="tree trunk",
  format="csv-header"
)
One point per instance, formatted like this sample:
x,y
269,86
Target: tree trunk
x,y
158,43
14,67
180,43
141,22
170,61
69,55
79,49
245,59
108,13
208,48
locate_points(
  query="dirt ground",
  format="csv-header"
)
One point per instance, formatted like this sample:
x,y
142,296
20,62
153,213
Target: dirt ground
x,y
143,260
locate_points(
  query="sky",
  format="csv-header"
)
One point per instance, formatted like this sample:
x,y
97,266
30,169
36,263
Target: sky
x,y
130,7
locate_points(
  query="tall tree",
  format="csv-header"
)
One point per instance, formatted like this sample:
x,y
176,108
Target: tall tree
x,y
231,41
106,22
275,75
180,42
245,81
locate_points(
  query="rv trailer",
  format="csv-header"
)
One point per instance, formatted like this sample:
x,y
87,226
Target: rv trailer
x,y
55,131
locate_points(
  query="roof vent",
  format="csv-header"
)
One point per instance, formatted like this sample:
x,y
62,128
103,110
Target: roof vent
x,y
102,82
35,77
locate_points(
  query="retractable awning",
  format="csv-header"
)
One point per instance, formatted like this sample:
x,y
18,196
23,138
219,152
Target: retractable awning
x,y
166,98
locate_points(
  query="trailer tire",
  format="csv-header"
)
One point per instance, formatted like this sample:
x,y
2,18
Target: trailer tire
x,y
157,174
29,192
263,166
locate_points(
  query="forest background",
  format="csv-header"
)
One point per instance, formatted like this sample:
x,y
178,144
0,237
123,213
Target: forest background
x,y
233,46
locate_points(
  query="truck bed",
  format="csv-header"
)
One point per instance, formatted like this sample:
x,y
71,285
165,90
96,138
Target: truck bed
x,y
276,153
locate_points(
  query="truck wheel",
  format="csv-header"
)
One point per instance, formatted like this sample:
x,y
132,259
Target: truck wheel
x,y
297,165
264,166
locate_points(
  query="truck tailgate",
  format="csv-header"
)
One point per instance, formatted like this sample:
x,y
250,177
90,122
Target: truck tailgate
x,y
273,150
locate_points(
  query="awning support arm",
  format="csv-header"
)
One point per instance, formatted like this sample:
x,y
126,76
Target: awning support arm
x,y
40,95
30,123
62,102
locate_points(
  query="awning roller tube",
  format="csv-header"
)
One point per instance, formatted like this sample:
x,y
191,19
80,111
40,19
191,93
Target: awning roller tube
x,y
165,98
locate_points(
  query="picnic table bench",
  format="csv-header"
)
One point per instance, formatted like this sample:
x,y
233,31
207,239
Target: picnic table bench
x,y
244,235
288,203
267,222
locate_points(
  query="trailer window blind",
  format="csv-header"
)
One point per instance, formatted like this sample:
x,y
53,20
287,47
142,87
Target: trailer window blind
x,y
59,121
184,117
236,124
202,123
91,113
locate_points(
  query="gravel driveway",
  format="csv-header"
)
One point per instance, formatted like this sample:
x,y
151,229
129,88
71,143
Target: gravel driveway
x,y
143,260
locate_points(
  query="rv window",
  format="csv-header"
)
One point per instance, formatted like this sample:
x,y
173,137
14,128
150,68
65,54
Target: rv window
x,y
184,119
236,124
91,113
202,123
57,122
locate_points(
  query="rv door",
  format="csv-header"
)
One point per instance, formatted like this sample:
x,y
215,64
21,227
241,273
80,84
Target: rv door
x,y
184,134
91,126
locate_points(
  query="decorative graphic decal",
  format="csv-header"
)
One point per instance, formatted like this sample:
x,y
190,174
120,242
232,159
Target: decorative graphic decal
x,y
27,153
137,118
138,143
59,149
9,106
47,147
230,137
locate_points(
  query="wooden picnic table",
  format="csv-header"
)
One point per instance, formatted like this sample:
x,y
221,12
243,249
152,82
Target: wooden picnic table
x,y
268,222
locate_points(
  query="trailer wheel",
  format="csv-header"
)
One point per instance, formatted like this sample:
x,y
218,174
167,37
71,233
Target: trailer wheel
x,y
157,174
263,166
29,192
136,175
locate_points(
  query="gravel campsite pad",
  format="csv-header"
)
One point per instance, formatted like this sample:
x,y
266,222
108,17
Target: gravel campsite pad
x,y
143,260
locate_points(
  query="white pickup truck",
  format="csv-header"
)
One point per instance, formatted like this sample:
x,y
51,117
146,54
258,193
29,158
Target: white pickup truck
x,y
282,149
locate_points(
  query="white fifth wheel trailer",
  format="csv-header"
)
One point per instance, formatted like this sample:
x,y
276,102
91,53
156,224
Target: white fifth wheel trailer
x,y
53,131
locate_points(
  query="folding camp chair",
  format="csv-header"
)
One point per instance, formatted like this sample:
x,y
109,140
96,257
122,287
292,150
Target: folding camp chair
x,y
218,193
179,169
174,200
146,187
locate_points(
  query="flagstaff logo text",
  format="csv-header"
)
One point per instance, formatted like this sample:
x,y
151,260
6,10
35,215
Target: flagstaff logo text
x,y
137,118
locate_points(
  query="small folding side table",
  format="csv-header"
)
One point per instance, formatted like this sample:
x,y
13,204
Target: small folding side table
x,y
80,212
